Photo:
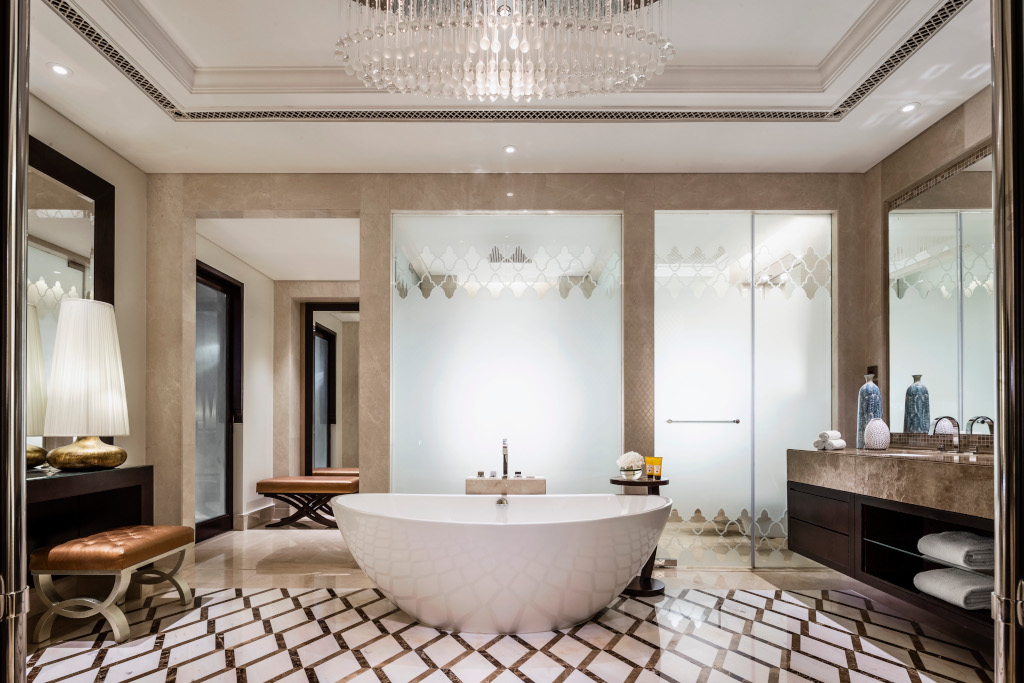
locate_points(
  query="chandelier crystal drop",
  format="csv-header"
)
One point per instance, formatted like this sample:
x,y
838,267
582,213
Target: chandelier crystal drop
x,y
508,49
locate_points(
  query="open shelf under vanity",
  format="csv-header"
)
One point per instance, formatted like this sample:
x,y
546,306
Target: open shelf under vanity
x,y
875,541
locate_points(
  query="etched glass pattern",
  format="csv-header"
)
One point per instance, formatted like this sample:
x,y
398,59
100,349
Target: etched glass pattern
x,y
506,326
742,330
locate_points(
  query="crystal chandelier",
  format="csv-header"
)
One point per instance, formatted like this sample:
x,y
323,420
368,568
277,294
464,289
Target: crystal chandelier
x,y
508,49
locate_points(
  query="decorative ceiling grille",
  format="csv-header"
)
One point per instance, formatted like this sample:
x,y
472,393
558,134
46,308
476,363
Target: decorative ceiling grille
x,y
928,29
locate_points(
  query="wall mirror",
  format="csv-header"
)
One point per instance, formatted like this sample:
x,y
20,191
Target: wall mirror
x,y
942,315
70,255
331,384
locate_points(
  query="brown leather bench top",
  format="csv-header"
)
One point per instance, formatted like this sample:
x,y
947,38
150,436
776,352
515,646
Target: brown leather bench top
x,y
336,471
318,484
112,550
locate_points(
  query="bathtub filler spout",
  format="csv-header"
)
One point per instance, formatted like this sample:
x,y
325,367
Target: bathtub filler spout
x,y
502,502
504,458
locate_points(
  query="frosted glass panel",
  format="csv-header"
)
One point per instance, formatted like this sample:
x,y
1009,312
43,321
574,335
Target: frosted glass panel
x,y
792,362
923,323
979,311
506,327
725,350
211,402
702,357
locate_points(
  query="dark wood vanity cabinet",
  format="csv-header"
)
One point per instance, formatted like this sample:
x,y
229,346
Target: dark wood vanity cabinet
x,y
821,525
875,541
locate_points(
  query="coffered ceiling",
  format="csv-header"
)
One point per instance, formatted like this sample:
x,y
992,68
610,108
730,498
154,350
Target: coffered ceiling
x,y
252,85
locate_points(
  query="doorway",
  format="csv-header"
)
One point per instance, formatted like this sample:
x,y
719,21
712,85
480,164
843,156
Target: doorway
x,y
331,384
218,396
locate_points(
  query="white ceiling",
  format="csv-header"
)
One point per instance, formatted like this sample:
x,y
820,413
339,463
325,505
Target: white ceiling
x,y
290,248
244,54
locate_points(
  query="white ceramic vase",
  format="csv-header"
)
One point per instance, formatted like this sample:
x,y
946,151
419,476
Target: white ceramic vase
x,y
876,435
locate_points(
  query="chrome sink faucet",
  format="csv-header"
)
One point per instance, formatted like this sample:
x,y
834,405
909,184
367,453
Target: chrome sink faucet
x,y
956,428
504,458
983,420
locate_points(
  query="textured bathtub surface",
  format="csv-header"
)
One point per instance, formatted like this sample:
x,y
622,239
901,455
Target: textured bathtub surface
x,y
301,635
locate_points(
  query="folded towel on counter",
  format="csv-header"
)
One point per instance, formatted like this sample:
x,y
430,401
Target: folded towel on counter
x,y
960,547
956,586
833,434
829,444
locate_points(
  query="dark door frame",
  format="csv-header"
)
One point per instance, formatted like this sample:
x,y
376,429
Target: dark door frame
x,y
308,333
211,277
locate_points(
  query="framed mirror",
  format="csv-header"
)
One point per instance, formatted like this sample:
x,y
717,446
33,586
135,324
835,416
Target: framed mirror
x,y
70,254
942,314
330,335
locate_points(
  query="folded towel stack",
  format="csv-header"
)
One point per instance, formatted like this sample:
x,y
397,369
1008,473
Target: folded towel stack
x,y
959,547
829,441
967,590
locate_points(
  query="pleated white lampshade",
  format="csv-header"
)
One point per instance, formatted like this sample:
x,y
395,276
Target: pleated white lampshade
x,y
35,380
86,391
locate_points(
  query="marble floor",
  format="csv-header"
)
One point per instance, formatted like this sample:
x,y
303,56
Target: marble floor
x,y
291,605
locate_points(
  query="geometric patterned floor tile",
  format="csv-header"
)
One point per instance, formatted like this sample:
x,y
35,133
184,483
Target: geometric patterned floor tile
x,y
689,635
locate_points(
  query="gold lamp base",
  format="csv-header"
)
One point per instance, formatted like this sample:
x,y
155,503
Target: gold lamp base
x,y
34,455
88,453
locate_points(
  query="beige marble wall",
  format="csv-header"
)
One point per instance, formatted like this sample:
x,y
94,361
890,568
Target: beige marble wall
x,y
170,349
854,199
348,417
968,190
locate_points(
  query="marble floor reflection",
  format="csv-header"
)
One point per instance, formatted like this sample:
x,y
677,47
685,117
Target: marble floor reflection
x,y
291,605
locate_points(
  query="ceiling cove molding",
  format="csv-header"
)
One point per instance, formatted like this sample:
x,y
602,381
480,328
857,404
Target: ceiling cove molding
x,y
676,79
148,30
908,47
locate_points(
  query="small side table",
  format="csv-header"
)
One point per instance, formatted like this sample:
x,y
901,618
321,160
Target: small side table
x,y
643,586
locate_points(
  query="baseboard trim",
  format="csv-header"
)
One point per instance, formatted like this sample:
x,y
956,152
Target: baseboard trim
x,y
254,518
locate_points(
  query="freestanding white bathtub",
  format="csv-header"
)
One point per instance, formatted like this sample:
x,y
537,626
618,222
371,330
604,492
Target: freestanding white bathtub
x,y
463,563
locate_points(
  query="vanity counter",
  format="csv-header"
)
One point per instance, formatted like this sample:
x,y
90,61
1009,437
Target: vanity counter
x,y
952,482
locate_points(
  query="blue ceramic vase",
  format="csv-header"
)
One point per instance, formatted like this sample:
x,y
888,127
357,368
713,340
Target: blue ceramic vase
x,y
917,411
869,406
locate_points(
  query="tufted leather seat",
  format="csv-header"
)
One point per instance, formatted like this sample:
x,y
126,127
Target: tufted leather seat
x,y
112,550
336,471
317,485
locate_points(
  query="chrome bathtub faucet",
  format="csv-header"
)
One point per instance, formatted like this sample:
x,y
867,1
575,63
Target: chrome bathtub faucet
x,y
502,502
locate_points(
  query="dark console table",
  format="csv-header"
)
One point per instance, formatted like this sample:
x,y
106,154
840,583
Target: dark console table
x,y
70,505
644,585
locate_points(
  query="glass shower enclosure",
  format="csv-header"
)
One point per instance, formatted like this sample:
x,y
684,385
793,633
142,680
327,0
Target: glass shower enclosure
x,y
743,371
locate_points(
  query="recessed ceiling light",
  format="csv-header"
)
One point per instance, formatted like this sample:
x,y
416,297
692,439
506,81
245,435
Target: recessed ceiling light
x,y
509,149
510,194
59,69
909,107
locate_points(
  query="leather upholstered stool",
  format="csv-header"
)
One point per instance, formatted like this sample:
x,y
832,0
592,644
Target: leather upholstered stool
x,y
119,553
310,496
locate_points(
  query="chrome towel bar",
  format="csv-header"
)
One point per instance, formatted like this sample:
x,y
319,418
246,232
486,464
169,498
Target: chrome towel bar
x,y
704,422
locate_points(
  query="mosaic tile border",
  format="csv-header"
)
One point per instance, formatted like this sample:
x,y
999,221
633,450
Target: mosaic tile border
x,y
321,635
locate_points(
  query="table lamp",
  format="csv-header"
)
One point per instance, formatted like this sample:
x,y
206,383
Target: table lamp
x,y
35,387
86,395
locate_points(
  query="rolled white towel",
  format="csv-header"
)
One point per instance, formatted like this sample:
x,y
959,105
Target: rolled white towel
x,y
960,547
829,444
830,435
956,586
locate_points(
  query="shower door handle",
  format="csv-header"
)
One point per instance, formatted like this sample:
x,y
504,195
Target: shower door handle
x,y
703,422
